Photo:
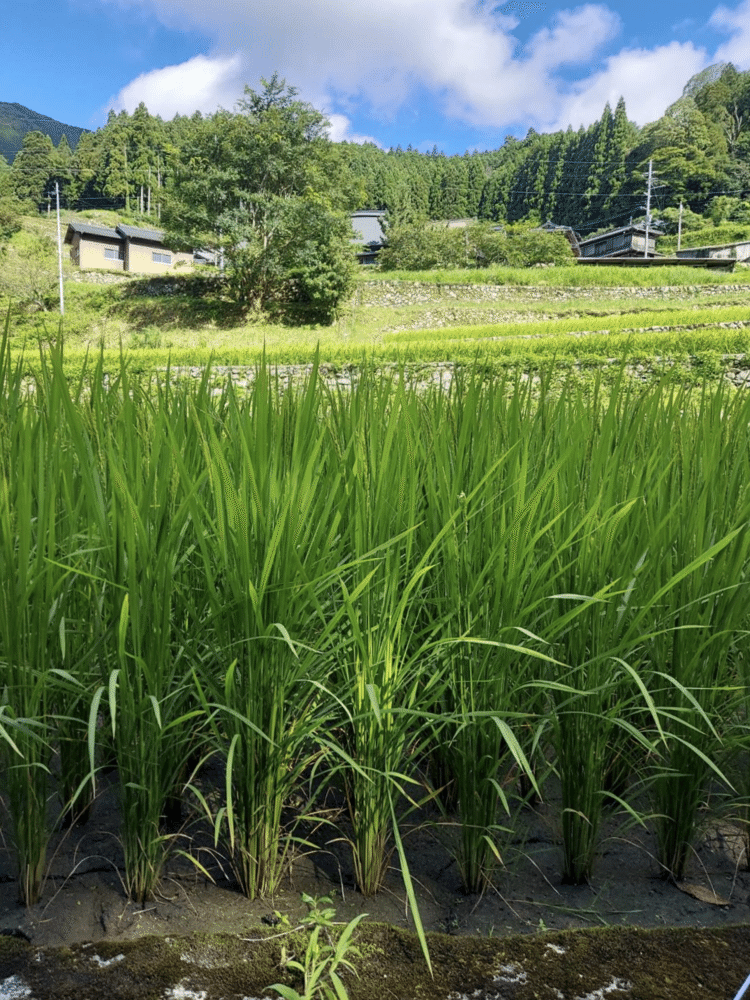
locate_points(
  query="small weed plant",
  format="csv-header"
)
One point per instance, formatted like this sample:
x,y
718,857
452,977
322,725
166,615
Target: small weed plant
x,y
326,955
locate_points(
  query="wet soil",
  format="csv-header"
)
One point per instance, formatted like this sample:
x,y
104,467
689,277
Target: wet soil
x,y
628,933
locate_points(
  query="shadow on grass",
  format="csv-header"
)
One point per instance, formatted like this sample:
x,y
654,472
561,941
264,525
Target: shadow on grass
x,y
180,311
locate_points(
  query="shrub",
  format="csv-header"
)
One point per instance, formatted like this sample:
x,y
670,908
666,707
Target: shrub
x,y
418,247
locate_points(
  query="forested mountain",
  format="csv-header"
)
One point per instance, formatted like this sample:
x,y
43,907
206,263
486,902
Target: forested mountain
x,y
16,121
590,179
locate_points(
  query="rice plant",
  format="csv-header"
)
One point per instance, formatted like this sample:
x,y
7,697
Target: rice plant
x,y
32,591
140,524
493,494
405,595
702,523
269,535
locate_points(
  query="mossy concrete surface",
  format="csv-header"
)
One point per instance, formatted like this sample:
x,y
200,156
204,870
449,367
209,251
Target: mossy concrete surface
x,y
684,964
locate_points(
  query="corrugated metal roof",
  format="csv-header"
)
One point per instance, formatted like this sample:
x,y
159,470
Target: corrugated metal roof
x,y
367,227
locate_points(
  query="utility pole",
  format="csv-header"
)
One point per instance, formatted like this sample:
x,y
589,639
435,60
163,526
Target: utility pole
x,y
650,184
127,182
679,227
648,204
59,250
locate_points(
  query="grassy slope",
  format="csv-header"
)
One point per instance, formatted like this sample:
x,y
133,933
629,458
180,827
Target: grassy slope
x,y
542,312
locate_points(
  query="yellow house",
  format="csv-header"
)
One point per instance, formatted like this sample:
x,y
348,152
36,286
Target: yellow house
x,y
124,248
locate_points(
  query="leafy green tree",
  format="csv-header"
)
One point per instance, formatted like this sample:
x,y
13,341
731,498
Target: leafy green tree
x,y
143,156
259,187
597,181
62,170
11,209
622,139
10,218
689,152
114,174
33,167
316,263
84,185
424,247
29,271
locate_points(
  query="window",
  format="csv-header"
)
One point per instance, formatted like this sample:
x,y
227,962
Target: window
x,y
114,253
161,258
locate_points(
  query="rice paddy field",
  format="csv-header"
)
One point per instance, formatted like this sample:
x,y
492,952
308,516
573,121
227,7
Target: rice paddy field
x,y
370,605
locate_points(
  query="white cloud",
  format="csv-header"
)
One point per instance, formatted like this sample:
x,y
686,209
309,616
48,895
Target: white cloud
x,y
199,84
462,50
340,131
574,37
649,80
737,24
349,54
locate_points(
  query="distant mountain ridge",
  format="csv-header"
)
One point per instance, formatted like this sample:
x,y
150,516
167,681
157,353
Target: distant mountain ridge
x,y
16,121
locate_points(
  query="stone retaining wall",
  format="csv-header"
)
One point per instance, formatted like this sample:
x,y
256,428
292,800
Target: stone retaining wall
x,y
408,293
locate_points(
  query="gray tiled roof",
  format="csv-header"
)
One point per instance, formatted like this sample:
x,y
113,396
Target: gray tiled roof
x,y
638,228
134,233
89,229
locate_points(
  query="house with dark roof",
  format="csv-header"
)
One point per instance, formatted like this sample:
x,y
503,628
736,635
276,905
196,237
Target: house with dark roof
x,y
124,248
628,241
368,232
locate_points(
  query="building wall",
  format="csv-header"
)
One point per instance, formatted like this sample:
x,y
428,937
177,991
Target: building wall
x,y
730,251
619,244
90,251
140,258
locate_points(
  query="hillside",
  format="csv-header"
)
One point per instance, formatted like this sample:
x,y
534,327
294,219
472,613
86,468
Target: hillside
x,y
16,121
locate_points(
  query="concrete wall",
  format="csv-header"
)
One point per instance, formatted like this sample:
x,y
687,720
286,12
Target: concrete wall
x,y
729,251
387,294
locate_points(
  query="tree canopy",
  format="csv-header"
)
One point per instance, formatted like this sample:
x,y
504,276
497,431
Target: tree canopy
x,y
254,187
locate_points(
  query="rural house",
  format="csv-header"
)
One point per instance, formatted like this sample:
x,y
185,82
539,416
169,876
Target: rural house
x,y
124,248
630,241
367,226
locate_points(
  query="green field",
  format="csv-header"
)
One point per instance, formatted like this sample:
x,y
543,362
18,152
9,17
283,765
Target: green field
x,y
568,315
444,596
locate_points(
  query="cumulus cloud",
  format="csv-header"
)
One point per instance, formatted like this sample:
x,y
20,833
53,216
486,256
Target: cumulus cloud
x,y
735,23
199,84
341,131
465,52
649,80
372,57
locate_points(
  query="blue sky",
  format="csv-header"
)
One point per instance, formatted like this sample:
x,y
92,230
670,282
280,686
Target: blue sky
x,y
458,74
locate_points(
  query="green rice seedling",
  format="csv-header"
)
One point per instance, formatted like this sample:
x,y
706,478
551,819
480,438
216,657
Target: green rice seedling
x,y
594,629
664,318
644,586
270,537
702,516
484,480
151,707
385,681
139,522
32,588
382,673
